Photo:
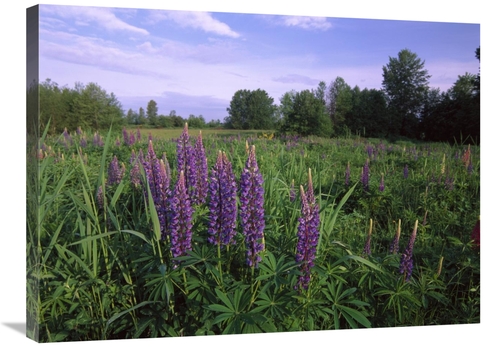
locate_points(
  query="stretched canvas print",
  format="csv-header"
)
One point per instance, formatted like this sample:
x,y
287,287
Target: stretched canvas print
x,y
194,173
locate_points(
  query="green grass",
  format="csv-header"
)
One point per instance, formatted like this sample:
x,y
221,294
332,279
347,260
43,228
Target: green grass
x,y
103,272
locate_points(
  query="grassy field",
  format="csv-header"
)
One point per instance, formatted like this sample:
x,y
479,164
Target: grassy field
x,y
123,250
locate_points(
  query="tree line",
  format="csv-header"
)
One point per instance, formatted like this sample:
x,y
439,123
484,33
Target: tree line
x,y
91,107
405,107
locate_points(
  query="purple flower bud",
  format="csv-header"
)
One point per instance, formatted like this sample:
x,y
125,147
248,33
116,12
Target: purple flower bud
x,y
405,171
252,208
186,160
222,203
200,189
126,138
307,235
381,187
394,249
406,264
181,219
365,176
115,173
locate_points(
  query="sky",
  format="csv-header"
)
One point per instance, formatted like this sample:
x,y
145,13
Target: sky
x,y
193,62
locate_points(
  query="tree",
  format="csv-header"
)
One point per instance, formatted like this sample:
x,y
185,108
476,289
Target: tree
x,y
251,110
405,81
339,102
307,116
141,118
152,113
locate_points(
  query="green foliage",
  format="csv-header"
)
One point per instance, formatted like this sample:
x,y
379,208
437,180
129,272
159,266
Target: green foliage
x,y
103,272
306,115
405,81
251,110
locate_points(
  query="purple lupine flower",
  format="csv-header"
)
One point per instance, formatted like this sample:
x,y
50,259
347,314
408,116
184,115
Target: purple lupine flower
x,y
83,142
158,184
117,142
394,249
381,186
181,219
405,171
347,174
186,160
138,135
131,139
126,138
135,173
167,166
406,264
252,208
100,198
293,194
367,249
307,235
365,176
200,191
222,203
79,130
115,172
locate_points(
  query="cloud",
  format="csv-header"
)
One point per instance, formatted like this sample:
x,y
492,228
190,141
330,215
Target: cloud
x,y
197,20
308,23
294,78
88,16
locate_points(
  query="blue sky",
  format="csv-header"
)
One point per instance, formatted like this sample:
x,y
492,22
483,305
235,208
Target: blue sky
x,y
193,62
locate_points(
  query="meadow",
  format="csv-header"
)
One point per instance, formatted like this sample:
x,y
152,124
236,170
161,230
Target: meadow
x,y
263,232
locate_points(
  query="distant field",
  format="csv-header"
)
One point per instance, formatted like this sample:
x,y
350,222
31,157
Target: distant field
x,y
168,133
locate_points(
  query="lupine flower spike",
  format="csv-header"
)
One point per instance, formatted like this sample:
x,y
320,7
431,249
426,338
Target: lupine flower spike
x,y
406,264
186,160
201,171
395,242
181,221
307,235
115,172
252,208
381,187
365,176
222,202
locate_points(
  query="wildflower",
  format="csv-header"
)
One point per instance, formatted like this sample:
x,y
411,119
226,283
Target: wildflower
x,y
476,237
186,160
181,219
79,130
365,176
367,249
126,138
466,158
405,171
158,184
100,197
307,235
200,190
394,249
115,172
406,264
83,142
443,164
135,173
138,133
222,203
381,186
252,208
